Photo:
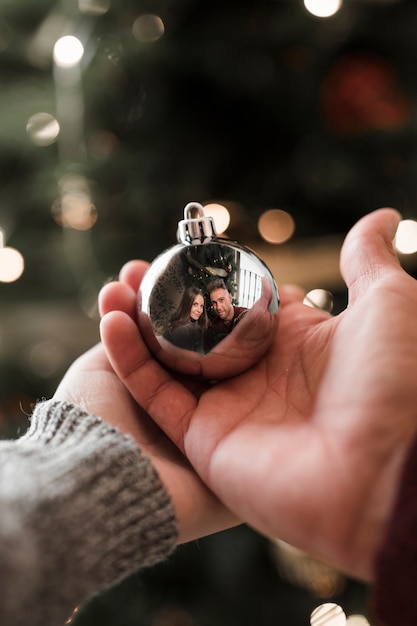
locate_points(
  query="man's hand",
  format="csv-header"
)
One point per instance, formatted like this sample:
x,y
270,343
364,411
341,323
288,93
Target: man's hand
x,y
308,444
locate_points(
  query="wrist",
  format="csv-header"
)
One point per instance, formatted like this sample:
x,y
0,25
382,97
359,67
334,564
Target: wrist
x,y
102,480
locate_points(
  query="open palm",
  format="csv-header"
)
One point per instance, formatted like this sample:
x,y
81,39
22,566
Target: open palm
x,y
308,444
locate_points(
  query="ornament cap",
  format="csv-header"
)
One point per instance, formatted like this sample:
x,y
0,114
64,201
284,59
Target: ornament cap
x,y
194,230
207,306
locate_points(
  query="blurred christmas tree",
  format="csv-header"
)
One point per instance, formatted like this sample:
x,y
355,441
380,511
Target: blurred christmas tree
x,y
254,104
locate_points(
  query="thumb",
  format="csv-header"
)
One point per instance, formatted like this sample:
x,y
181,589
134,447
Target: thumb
x,y
367,252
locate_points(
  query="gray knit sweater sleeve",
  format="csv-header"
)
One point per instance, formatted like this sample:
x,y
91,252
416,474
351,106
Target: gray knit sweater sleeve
x,y
80,509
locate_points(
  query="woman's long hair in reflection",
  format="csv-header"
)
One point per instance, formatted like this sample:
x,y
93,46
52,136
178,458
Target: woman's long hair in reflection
x,y
182,314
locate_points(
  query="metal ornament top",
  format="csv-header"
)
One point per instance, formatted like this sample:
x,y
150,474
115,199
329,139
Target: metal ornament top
x,y
193,230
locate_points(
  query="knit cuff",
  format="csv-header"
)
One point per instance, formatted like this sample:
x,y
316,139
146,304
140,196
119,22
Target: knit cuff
x,y
82,507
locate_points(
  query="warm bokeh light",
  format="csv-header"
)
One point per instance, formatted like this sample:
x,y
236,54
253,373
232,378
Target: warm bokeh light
x,y
405,240
43,129
276,226
328,614
74,208
11,265
364,92
94,7
319,299
68,51
148,28
220,215
357,620
323,8
102,144
302,570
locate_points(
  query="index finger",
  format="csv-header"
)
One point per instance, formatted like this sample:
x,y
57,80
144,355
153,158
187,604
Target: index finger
x,y
169,403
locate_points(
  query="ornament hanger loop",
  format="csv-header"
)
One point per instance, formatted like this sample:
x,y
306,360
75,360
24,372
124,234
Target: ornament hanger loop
x,y
195,230
191,209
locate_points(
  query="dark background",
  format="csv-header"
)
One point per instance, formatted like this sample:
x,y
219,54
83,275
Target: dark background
x,y
256,105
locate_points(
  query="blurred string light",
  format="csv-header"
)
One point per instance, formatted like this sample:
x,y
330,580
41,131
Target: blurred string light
x,y
220,215
302,570
320,299
43,129
405,240
68,51
102,144
67,55
328,614
148,28
11,262
323,8
94,7
357,620
74,208
276,226
362,92
331,614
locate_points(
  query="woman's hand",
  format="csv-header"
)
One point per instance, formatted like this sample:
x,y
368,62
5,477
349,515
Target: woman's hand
x,y
309,443
92,384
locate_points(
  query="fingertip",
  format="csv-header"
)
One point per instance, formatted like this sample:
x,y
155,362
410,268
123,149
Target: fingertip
x,y
117,296
118,334
103,298
132,273
368,247
383,221
106,324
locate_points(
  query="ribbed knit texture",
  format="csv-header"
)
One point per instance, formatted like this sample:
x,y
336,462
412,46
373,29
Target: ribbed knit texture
x,y
80,509
394,594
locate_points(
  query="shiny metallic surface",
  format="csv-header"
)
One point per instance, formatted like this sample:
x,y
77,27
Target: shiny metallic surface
x,y
250,285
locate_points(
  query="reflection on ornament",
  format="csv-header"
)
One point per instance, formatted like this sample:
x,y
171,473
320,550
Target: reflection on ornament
x,y
237,292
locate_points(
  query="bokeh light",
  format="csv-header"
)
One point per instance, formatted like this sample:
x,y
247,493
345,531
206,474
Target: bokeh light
x,y
300,569
68,51
276,226
148,28
319,299
74,208
43,129
328,614
220,215
11,265
364,92
323,8
357,620
102,144
94,7
405,240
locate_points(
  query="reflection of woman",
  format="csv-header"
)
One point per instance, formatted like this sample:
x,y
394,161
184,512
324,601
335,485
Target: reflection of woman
x,y
186,327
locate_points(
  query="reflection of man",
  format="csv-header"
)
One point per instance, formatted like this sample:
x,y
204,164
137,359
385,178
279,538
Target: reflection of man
x,y
227,315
